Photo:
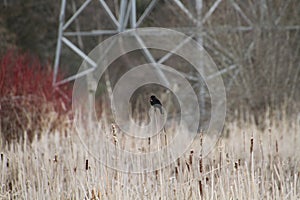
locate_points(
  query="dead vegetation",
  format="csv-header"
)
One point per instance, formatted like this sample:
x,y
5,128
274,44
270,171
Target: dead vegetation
x,y
249,163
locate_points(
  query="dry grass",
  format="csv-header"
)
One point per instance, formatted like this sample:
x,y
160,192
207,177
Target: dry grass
x,y
246,164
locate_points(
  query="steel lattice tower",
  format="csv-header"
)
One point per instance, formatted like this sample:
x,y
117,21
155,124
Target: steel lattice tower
x,y
127,19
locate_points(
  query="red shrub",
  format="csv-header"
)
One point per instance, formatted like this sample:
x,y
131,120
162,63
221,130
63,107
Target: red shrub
x,y
27,96
23,75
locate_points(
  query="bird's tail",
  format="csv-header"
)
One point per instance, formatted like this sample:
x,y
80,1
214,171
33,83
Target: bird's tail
x,y
159,107
161,110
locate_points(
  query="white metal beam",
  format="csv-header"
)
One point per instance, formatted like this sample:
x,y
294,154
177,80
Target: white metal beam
x,y
211,10
76,14
169,54
239,10
186,11
146,12
151,59
110,14
91,33
79,52
123,7
133,14
60,33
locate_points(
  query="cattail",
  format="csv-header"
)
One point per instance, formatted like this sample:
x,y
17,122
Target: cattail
x,y
156,174
200,165
236,164
10,186
251,145
178,162
207,179
191,157
86,164
114,134
200,188
176,173
251,155
113,130
201,146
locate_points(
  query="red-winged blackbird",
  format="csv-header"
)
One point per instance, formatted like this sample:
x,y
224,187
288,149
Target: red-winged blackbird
x,y
156,103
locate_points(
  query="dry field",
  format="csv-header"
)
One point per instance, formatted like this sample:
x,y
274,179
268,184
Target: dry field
x,y
247,163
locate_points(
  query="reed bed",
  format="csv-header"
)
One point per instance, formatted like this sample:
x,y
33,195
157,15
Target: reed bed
x,y
247,162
